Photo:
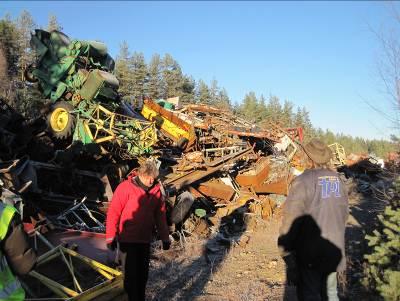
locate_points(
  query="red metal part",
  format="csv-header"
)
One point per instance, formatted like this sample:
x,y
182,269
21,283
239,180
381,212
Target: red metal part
x,y
296,133
90,244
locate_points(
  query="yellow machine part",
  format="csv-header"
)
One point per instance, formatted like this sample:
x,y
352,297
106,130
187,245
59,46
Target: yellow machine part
x,y
172,130
339,154
59,119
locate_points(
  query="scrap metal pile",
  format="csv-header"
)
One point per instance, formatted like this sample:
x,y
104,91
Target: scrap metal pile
x,y
60,170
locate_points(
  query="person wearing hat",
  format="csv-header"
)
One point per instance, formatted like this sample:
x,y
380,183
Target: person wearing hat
x,y
311,237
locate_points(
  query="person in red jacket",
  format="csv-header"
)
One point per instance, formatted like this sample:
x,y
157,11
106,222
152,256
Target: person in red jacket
x,y
136,207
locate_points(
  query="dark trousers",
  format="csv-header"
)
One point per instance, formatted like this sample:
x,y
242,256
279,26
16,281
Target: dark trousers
x,y
135,258
312,285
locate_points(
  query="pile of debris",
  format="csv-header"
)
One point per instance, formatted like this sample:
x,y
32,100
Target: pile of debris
x,y
220,173
60,170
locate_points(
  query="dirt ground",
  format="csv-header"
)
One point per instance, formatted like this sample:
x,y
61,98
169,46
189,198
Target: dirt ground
x,y
215,270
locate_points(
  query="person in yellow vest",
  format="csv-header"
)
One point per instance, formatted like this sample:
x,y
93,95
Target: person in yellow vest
x,y
16,255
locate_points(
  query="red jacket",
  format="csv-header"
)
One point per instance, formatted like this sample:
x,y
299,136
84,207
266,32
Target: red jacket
x,y
133,212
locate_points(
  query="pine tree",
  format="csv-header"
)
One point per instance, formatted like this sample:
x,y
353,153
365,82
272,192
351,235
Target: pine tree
x,y
203,93
123,73
4,82
172,77
187,93
248,108
29,99
25,25
298,118
214,91
382,272
53,24
154,79
10,54
287,114
274,109
138,69
307,125
261,112
9,44
223,101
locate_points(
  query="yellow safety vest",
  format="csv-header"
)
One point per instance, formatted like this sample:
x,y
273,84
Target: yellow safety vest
x,y
10,287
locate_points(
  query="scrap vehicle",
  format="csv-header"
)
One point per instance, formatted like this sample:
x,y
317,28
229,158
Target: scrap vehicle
x,y
77,78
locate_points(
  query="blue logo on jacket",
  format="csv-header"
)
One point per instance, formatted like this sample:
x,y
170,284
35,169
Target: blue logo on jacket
x,y
330,186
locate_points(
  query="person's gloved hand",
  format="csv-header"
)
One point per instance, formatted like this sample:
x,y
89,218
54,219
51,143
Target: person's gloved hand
x,y
166,245
112,245
292,275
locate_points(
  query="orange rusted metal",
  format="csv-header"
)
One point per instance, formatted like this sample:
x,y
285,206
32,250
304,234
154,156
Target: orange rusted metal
x,y
279,187
216,190
205,109
178,181
262,135
256,176
263,208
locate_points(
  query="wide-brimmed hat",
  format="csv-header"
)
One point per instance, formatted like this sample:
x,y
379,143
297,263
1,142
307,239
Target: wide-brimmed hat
x,y
318,151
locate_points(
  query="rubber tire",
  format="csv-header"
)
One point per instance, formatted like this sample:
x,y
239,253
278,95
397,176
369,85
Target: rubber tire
x,y
182,208
182,143
69,128
28,74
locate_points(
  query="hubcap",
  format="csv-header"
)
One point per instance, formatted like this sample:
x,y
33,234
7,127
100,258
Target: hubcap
x,y
59,119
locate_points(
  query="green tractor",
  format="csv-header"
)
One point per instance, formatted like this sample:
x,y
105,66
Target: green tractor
x,y
77,76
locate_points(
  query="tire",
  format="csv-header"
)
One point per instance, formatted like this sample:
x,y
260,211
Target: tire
x,y
182,143
182,208
28,74
60,122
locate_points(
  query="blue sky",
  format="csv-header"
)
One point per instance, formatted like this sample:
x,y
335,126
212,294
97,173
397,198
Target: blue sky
x,y
321,55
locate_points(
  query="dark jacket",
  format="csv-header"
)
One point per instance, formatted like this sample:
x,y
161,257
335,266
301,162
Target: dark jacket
x,y
314,220
15,246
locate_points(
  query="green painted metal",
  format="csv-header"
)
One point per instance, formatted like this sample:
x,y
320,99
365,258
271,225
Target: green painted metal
x,y
81,68
81,73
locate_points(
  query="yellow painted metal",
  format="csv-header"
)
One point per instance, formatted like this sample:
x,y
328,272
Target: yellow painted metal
x,y
113,283
339,154
106,126
113,289
93,263
172,130
59,119
53,285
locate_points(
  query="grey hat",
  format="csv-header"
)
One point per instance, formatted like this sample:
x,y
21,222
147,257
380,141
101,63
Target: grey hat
x,y
318,151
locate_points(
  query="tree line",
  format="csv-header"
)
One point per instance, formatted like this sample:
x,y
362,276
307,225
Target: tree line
x,y
263,112
160,78
163,78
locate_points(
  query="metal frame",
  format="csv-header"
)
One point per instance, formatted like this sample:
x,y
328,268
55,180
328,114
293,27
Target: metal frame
x,y
114,278
339,154
63,219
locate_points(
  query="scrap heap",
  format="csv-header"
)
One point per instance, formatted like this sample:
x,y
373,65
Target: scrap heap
x,y
59,170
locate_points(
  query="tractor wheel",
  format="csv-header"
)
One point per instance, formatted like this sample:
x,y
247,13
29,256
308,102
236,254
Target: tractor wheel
x,y
61,122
